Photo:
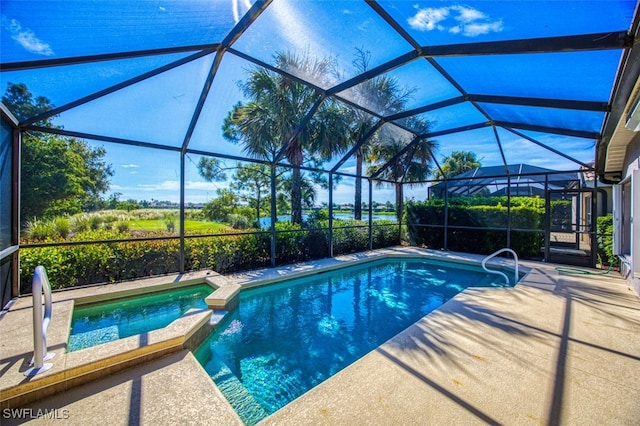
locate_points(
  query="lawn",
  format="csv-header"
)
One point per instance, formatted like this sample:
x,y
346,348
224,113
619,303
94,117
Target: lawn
x,y
190,226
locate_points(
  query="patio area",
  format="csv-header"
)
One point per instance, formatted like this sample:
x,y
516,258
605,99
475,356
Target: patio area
x,y
559,348
148,146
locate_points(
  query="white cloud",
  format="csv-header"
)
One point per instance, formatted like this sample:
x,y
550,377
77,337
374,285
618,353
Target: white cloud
x,y
473,30
26,37
467,14
129,166
364,26
174,185
428,19
455,19
202,186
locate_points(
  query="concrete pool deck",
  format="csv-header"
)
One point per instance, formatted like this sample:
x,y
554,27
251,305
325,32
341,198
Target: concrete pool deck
x,y
558,348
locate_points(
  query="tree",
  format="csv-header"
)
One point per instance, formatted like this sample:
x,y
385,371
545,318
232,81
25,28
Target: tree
x,y
60,175
307,190
23,105
113,200
412,165
211,169
269,122
221,207
253,183
458,162
128,205
381,94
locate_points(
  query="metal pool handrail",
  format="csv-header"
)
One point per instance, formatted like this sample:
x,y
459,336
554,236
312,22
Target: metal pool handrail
x,y
515,257
39,284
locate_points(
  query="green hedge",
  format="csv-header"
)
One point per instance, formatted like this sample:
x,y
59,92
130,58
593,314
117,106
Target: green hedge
x,y
425,225
92,263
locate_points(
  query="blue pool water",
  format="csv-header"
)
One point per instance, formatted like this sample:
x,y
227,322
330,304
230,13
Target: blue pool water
x,y
284,339
107,321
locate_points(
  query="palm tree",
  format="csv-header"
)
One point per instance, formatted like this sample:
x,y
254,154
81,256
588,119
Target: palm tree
x,y
392,164
381,94
270,122
458,162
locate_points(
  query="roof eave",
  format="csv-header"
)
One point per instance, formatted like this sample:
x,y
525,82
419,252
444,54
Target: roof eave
x,y
612,146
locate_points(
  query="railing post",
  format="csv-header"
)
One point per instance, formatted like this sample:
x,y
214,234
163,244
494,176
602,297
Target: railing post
x,y
40,322
492,255
371,216
330,236
274,214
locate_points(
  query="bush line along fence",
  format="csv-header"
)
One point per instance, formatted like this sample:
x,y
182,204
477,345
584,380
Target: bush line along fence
x,y
485,224
476,228
470,227
93,263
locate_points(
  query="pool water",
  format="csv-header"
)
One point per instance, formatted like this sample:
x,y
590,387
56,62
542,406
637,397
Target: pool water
x,y
104,322
284,339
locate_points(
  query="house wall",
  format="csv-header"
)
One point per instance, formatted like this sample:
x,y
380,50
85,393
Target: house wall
x,y
630,264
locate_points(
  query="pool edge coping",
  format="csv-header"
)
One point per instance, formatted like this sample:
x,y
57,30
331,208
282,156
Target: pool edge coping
x,y
108,363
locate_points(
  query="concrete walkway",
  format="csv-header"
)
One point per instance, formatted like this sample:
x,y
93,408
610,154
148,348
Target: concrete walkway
x,y
558,349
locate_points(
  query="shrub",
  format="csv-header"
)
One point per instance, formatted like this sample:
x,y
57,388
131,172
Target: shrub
x,y
79,223
239,222
317,216
604,238
94,222
170,222
385,234
61,224
41,230
110,218
289,237
316,245
349,238
193,214
122,227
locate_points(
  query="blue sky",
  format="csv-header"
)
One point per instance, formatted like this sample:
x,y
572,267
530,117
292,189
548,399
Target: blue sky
x,y
158,110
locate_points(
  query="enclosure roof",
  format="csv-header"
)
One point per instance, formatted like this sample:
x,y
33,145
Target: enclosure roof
x,y
512,81
493,179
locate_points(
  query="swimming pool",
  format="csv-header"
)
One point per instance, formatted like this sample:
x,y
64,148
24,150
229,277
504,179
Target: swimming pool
x,y
97,323
284,339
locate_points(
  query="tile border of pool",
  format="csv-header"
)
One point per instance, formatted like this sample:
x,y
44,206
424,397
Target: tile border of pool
x,y
187,331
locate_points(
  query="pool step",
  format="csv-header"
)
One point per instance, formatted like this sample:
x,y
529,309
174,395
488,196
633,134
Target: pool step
x,y
238,396
131,327
491,280
89,338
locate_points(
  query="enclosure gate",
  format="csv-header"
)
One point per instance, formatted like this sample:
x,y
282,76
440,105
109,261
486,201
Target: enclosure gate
x,y
570,219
